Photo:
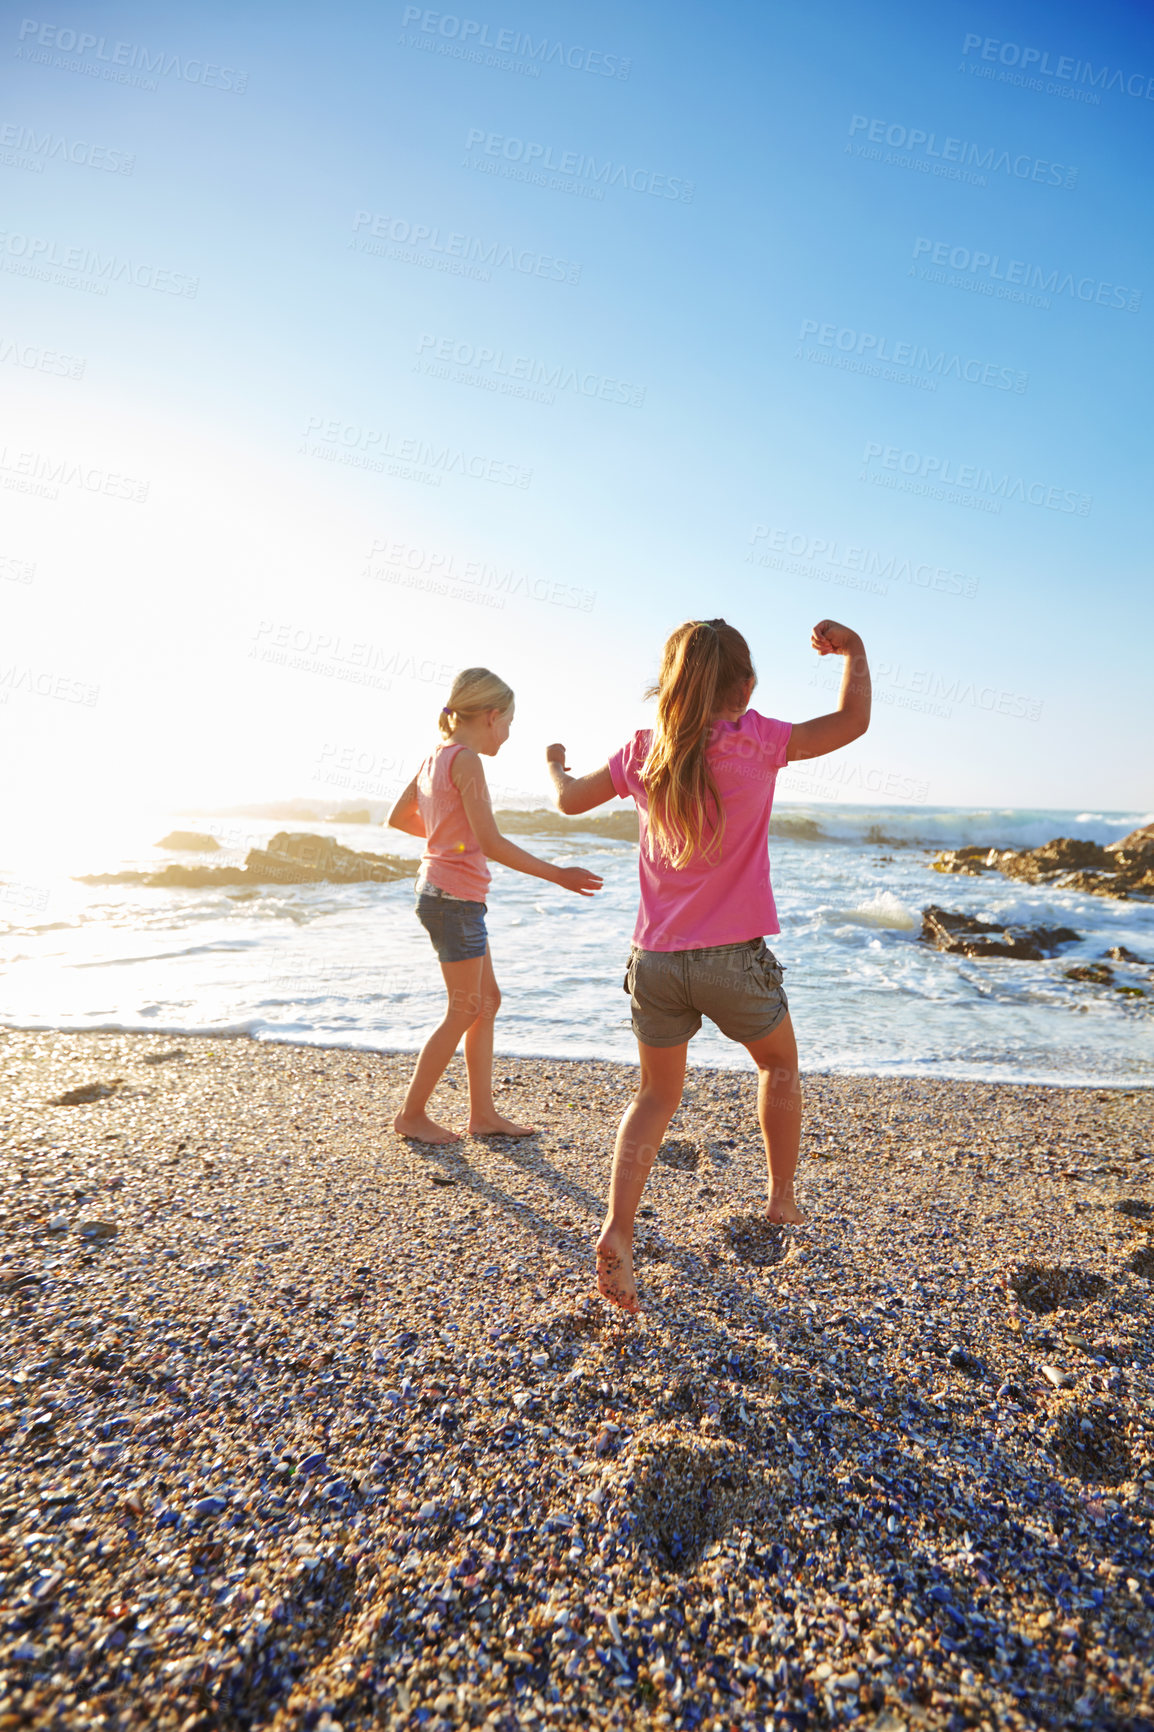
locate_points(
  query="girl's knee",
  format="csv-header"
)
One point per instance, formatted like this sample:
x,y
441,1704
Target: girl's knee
x,y
658,1099
464,1007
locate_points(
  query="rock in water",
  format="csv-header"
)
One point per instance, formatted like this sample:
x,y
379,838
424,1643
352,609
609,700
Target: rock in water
x,y
189,842
297,857
1143,837
176,877
963,935
1063,854
1121,869
967,861
292,857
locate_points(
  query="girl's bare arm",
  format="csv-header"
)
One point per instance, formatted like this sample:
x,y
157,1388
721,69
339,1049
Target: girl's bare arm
x,y
469,778
578,793
850,720
406,814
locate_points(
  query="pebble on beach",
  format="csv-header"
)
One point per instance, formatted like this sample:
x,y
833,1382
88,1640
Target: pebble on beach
x,y
307,1427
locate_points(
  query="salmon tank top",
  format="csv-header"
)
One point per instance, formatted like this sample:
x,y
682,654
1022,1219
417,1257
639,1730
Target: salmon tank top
x,y
453,860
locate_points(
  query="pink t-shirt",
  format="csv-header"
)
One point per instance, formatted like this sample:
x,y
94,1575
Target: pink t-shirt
x,y
727,899
452,860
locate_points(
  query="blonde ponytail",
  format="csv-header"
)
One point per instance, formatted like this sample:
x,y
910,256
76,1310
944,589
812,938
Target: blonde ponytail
x,y
475,690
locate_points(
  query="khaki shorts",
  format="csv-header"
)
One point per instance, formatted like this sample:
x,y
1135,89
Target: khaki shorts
x,y
737,986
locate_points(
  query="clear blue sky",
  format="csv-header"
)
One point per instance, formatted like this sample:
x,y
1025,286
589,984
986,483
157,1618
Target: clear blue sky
x,y
376,280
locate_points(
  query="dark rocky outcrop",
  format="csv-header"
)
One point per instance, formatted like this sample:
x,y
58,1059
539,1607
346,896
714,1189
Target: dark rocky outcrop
x,y
963,935
297,857
1063,854
1143,837
292,857
1123,869
1101,974
189,842
969,862
177,877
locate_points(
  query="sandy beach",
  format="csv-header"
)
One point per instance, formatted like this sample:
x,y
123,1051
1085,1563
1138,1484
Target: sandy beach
x,y
306,1427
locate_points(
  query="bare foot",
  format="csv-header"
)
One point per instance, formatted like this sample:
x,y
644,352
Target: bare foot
x,y
422,1129
493,1125
615,1273
784,1209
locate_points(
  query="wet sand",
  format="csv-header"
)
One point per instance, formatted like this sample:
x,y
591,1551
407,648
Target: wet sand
x,y
305,1426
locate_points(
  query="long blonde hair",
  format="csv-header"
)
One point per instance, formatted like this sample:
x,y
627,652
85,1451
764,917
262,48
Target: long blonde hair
x,y
705,667
475,690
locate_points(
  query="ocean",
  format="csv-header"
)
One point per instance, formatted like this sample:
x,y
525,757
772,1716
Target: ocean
x,y
348,966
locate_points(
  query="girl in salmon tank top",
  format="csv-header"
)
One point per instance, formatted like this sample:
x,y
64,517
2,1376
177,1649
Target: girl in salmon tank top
x,y
447,803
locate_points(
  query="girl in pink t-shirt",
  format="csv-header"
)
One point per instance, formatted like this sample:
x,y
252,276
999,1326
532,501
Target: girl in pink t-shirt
x,y
447,803
703,780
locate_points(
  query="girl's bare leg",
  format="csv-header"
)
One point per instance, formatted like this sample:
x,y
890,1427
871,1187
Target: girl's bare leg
x,y
638,1140
463,985
779,1114
484,1119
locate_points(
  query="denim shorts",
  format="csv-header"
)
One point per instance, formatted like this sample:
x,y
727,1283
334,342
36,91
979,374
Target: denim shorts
x,y
456,927
737,986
